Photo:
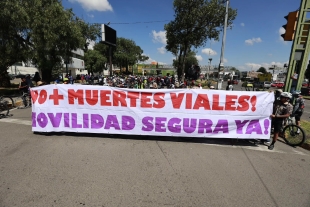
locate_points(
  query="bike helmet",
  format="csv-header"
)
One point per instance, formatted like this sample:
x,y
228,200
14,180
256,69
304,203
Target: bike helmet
x,y
286,95
279,91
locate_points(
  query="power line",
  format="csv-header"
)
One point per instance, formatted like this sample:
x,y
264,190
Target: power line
x,y
135,22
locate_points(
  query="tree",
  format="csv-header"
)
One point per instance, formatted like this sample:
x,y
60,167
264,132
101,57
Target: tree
x,y
189,62
262,70
41,31
195,22
54,33
237,72
14,42
127,53
94,61
90,32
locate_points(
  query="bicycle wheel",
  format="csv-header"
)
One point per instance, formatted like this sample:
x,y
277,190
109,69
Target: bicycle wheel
x,y
9,101
28,100
19,102
4,110
294,135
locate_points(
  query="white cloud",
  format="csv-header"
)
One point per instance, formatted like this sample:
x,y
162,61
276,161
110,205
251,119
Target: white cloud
x,y
208,51
199,57
253,40
242,24
256,66
253,66
282,31
94,5
91,45
90,15
159,37
161,50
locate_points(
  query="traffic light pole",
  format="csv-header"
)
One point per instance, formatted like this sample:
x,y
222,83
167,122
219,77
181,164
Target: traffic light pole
x,y
300,48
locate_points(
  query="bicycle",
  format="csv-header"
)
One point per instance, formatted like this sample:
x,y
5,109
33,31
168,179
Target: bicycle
x,y
9,101
23,101
4,109
292,134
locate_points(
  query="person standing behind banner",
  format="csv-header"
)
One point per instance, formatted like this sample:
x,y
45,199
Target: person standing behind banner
x,y
36,78
282,109
229,87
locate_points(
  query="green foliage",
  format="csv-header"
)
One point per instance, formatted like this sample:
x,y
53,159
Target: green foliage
x,y
127,53
262,70
41,31
195,22
94,61
189,61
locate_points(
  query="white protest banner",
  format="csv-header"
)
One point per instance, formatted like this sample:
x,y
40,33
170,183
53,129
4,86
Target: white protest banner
x,y
158,112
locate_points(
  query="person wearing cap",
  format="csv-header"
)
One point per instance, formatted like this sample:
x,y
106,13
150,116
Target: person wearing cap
x,y
282,109
66,80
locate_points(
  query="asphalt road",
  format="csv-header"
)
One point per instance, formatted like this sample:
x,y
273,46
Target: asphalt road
x,y
99,170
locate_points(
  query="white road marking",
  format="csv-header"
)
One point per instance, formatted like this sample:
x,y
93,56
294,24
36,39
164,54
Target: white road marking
x,y
16,121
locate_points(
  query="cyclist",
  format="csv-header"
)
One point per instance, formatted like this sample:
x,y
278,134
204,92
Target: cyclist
x,y
282,109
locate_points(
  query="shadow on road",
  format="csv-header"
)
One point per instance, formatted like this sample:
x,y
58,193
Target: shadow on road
x,y
218,141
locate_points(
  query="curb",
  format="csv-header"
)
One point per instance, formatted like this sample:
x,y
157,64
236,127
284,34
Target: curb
x,y
306,146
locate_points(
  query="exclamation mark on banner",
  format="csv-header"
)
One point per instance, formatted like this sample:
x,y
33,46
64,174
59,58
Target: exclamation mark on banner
x,y
253,102
266,125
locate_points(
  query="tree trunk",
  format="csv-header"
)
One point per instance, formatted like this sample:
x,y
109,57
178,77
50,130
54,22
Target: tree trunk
x,y
127,69
183,62
179,69
47,75
4,78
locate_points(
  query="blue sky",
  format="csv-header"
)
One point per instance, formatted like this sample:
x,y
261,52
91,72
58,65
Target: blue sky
x,y
253,42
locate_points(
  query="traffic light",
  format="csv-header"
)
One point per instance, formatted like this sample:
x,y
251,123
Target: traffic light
x,y
290,27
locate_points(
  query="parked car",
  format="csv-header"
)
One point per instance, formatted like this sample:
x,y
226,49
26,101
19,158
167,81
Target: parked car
x,y
266,84
305,91
235,82
274,84
305,84
280,85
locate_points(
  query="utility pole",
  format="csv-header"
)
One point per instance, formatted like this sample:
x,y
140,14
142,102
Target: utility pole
x,y
297,30
221,65
208,75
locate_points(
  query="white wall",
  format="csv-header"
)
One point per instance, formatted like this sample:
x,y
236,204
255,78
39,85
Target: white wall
x,y
76,63
22,70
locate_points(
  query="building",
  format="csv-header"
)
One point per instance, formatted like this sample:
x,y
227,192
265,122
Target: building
x,y
76,66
